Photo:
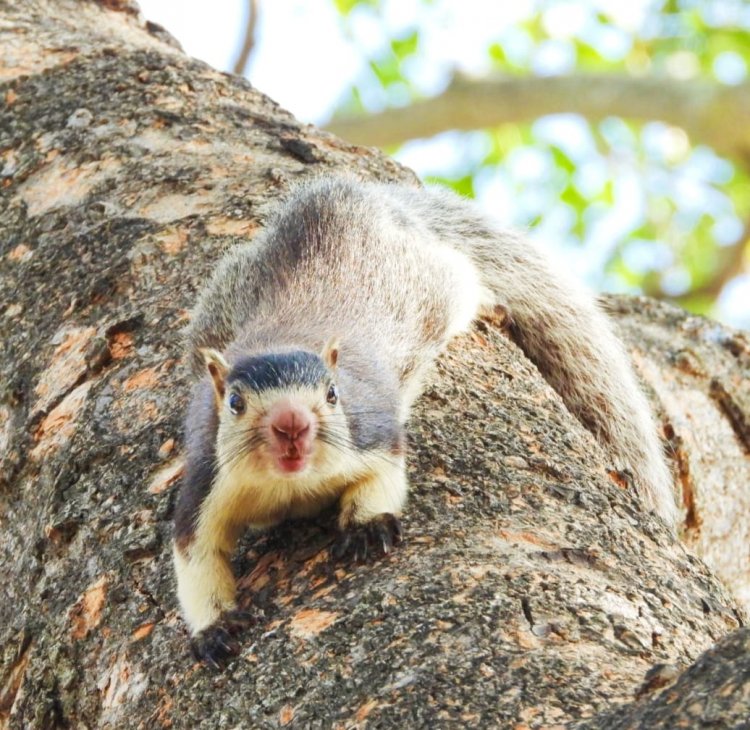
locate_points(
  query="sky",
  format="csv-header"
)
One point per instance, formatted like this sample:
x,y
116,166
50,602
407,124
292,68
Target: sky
x,y
288,32
304,62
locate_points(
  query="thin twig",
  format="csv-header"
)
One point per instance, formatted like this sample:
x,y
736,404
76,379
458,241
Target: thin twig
x,y
248,42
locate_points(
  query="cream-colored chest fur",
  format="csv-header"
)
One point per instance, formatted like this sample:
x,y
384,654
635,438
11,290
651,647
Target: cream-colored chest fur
x,y
240,497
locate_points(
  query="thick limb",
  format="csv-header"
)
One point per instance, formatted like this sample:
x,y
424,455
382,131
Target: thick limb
x,y
368,521
206,590
205,585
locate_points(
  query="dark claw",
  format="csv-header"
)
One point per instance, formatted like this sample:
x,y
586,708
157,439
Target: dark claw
x,y
213,646
373,539
341,546
216,645
238,620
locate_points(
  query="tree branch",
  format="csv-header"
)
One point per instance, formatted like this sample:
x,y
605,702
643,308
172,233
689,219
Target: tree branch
x,y
709,112
703,694
248,42
128,170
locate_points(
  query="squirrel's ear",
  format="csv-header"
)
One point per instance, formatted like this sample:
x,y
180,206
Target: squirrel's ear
x,y
218,369
330,353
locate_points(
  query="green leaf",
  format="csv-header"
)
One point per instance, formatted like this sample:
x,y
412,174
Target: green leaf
x,y
463,185
497,55
405,46
387,71
346,6
351,104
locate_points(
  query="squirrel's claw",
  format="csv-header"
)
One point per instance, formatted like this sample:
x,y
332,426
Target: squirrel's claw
x,y
216,645
371,540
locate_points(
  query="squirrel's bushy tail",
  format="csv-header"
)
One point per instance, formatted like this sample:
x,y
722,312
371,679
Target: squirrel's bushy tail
x,y
561,329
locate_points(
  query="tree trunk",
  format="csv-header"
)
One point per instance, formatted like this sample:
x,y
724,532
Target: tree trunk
x,y
531,591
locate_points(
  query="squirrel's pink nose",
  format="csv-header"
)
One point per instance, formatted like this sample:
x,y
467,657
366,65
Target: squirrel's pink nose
x,y
291,424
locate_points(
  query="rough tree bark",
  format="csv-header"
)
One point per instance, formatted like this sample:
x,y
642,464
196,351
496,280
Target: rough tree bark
x,y
531,591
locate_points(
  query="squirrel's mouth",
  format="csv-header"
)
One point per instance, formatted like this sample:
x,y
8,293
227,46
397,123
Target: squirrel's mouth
x,y
292,460
292,463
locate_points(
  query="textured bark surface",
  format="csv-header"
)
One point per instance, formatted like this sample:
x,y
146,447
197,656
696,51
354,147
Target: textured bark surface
x,y
714,692
698,372
530,592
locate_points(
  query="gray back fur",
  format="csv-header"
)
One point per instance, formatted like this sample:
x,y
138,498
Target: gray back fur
x,y
392,272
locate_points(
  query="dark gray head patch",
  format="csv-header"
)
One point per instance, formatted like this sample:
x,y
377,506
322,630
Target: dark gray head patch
x,y
283,370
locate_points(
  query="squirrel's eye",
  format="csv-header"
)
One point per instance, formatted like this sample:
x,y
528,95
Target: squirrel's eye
x,y
236,404
333,395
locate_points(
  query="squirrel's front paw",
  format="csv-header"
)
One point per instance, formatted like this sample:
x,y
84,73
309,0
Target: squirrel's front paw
x,y
371,540
217,643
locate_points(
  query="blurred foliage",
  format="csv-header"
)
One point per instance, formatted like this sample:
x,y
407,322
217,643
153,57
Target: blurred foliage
x,y
637,207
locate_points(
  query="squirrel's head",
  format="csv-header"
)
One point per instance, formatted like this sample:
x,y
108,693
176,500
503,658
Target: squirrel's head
x,y
279,413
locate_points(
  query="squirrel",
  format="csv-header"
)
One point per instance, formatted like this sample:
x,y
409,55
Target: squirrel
x,y
312,342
